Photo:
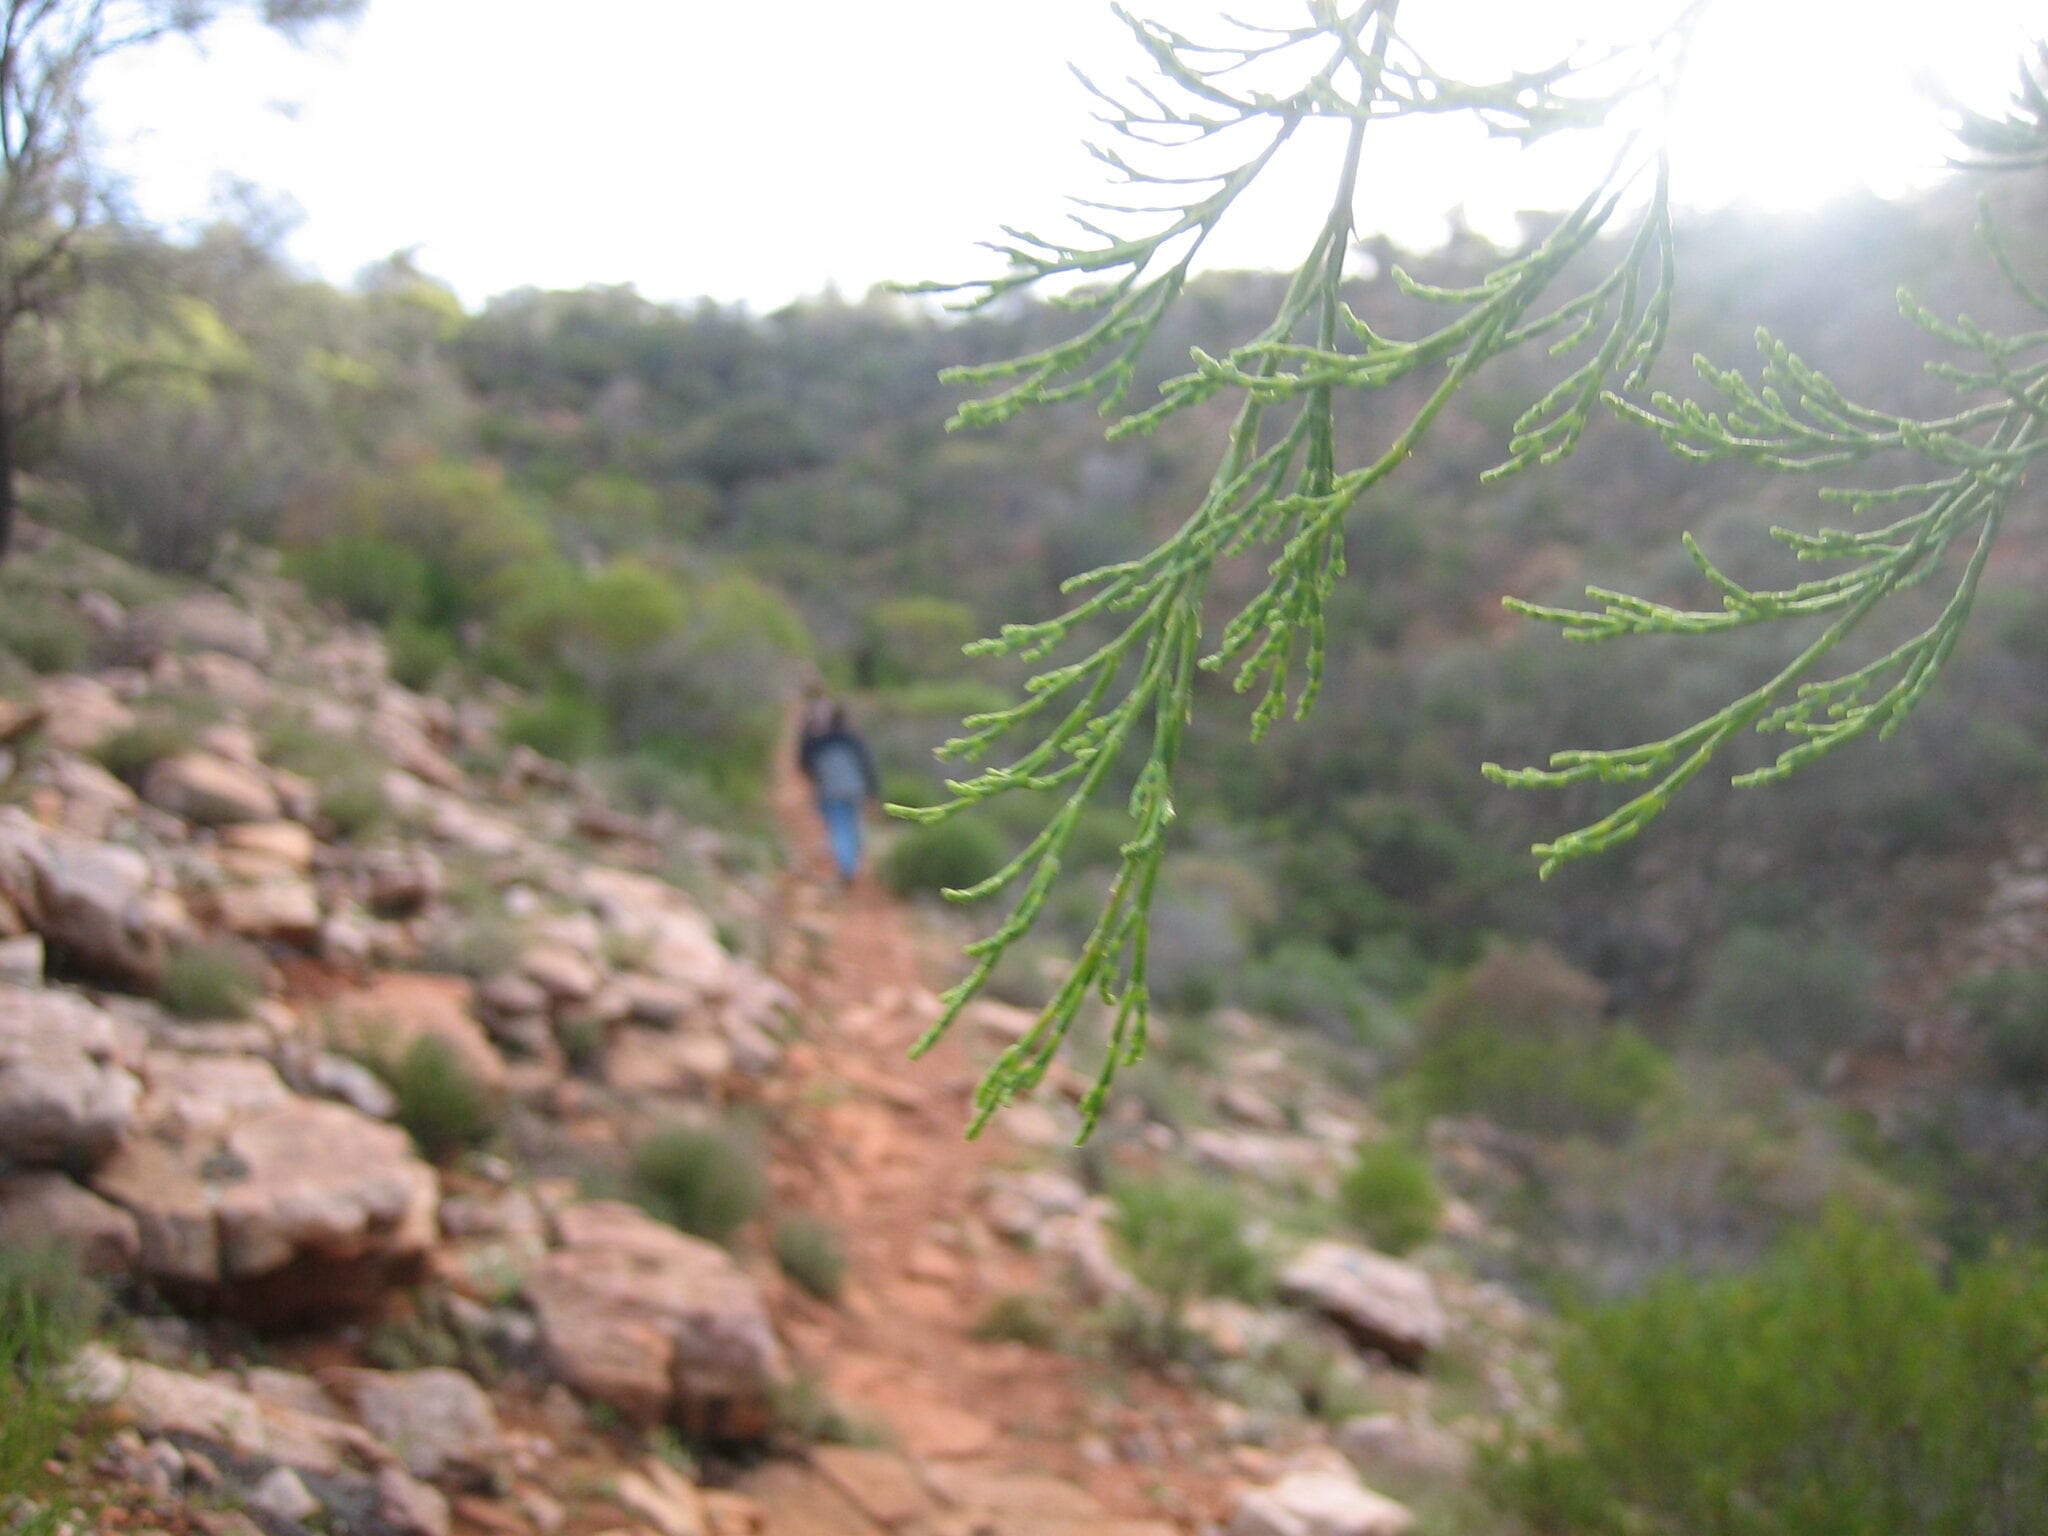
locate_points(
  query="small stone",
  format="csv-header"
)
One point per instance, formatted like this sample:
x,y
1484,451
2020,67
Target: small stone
x,y
410,1506
282,1493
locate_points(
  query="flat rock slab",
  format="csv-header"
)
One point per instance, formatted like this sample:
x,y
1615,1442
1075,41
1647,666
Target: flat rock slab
x,y
290,1211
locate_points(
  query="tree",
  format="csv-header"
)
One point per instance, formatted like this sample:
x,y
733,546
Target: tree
x,y
1595,290
52,196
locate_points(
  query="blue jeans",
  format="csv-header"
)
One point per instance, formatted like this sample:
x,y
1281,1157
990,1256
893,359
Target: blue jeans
x,y
842,828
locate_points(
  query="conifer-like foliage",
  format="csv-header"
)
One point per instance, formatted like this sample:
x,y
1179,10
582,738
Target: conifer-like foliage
x,y
1594,292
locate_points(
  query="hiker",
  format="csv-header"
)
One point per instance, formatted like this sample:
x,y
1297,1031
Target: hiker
x,y
836,761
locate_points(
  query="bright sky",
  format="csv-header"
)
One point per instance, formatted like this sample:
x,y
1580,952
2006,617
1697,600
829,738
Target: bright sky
x,y
759,151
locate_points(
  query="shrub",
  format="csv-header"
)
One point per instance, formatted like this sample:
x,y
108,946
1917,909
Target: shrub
x,y
1547,1086
129,753
1390,1196
215,980
1519,1038
419,653
445,1109
47,1310
2010,1005
370,578
353,803
1184,1237
810,1253
705,1180
1839,1390
949,856
44,631
1019,1318
561,724
1802,997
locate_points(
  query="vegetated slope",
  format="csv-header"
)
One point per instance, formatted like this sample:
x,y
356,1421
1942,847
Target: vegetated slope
x,y
409,1101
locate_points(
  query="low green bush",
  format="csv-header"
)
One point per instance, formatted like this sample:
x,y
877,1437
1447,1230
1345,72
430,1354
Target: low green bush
x,y
216,979
561,724
705,1180
950,856
1184,1237
1842,1389
129,753
369,577
1520,1039
1389,1195
47,1310
2010,1007
43,631
440,1103
419,653
1544,1085
1018,1317
1799,996
810,1252
353,802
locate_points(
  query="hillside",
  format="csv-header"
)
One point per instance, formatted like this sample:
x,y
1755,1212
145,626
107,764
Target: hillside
x,y
421,1007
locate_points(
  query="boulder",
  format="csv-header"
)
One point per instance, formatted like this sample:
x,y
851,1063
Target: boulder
x,y
94,903
1318,1503
209,790
561,972
285,908
282,847
439,1421
658,1325
47,1208
278,1208
1382,1303
80,712
690,1064
68,1093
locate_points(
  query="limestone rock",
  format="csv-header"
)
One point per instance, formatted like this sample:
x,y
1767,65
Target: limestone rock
x,y
1318,1503
294,1209
646,1061
80,712
666,1500
409,1506
21,960
67,1091
95,903
46,1208
164,1402
560,971
209,790
438,1421
1381,1302
285,908
285,847
656,1324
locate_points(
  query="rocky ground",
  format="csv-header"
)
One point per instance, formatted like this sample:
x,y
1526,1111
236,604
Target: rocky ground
x,y
322,1329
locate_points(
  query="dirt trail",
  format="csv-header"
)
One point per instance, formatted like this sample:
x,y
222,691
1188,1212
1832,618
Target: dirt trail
x,y
994,1437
